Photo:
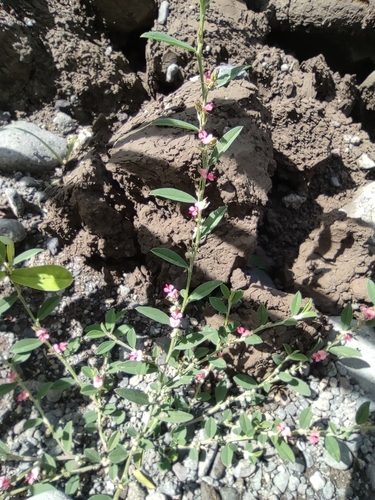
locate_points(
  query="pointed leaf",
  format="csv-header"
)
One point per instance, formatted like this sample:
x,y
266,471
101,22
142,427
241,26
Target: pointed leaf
x,y
44,390
27,255
203,290
262,314
300,386
172,122
67,437
92,455
176,417
6,303
245,424
110,320
346,317
5,388
305,418
224,144
218,363
363,413
212,221
236,296
371,291
48,306
245,381
113,441
218,305
118,455
295,306
174,195
106,346
220,391
63,383
332,446
25,345
100,497
225,291
143,479
153,313
32,422
72,485
284,450
132,338
230,75
47,278
227,455
253,340
159,36
345,352
170,256
134,395
210,427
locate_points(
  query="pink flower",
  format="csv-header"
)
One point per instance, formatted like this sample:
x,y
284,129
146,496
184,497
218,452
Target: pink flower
x,y
42,334
205,137
136,355
5,483
207,76
32,476
21,397
97,382
208,107
60,347
171,291
198,207
175,319
319,356
284,429
368,313
193,211
244,333
314,437
207,175
201,376
348,337
12,376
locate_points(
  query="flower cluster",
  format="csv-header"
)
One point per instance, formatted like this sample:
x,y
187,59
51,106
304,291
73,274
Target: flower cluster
x,y
319,356
98,381
314,437
21,397
60,347
5,483
136,355
171,291
284,430
243,332
207,175
33,475
201,376
42,334
368,313
206,138
176,317
197,208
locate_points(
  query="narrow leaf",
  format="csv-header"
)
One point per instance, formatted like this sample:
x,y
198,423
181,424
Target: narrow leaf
x,y
346,317
44,390
220,391
113,441
48,306
332,446
6,303
143,479
110,320
176,417
203,290
371,291
210,427
62,384
212,221
224,144
32,422
67,437
106,346
300,386
153,313
172,122
174,195
345,352
305,418
284,450
134,395
27,255
47,278
245,381
159,36
5,388
170,256
295,306
25,345
132,338
363,413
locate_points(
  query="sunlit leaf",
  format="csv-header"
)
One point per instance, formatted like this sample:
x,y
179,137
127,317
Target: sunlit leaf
x,y
230,75
72,485
363,413
159,36
6,303
134,395
212,221
245,381
371,291
153,313
305,418
174,195
345,352
27,255
203,290
172,122
47,278
332,446
170,256
224,144
295,306
210,427
176,417
346,317
25,345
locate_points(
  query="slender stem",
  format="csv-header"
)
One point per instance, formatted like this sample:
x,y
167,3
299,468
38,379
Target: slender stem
x,y
27,308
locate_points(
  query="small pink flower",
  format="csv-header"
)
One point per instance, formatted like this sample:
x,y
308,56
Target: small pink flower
x,y
171,291
60,347
21,397
98,382
32,476
205,137
207,76
348,337
319,356
12,376
198,207
193,211
175,319
208,107
201,376
42,334
314,437
244,333
368,313
284,429
207,175
136,355
5,483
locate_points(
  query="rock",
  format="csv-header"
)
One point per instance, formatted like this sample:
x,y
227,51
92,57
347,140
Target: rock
x,y
281,481
362,205
171,72
346,459
209,493
16,202
365,162
53,245
293,483
12,229
163,13
5,117
28,181
294,200
50,495
328,490
205,460
156,496
180,471
218,468
244,468
26,153
229,493
64,123
317,481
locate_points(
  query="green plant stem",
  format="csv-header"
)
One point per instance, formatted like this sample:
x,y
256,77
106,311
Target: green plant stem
x,y
66,364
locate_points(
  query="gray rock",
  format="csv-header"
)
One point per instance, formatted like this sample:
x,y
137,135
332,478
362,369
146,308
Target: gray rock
x,y
317,481
308,459
180,471
345,462
293,483
205,460
28,181
64,123
293,200
256,480
281,481
171,72
169,488
12,229
248,496
4,118
156,496
208,492
370,472
163,12
328,490
25,152
362,205
244,468
53,245
218,468
50,495
16,202
365,162
229,493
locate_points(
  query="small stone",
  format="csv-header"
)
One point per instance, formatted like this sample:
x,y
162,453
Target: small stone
x,y
171,72
163,12
284,67
218,468
156,496
64,123
293,483
16,202
180,471
362,205
12,229
281,481
335,181
244,468
208,492
205,460
317,481
308,459
229,493
62,105
365,162
53,245
346,459
28,181
328,490
355,140
169,488
256,480
50,495
294,201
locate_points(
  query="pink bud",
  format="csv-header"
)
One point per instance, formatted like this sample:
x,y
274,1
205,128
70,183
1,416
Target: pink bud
x,y
98,382
42,334
21,397
314,437
319,356
208,107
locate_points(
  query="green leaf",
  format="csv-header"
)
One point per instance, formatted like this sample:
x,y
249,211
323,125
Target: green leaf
x,y
41,488
5,388
277,359
20,358
110,320
220,391
300,386
253,340
72,485
212,221
160,36
132,338
284,450
6,303
203,290
346,317
236,296
113,472
118,455
332,446
153,313
210,427
87,371
345,352
176,417
170,256
218,305
194,454
230,75
47,278
134,395
218,363
113,441
298,356
363,413
106,346
92,455
289,322
48,306
62,384
287,349
174,195
227,455
100,497
285,377
88,390
371,291
25,345
32,422
27,255
49,462
224,144
225,291
246,426
90,416
95,334
305,418
172,122
245,381
67,437
295,306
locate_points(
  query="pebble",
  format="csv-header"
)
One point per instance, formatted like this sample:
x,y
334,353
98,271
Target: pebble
x,y
171,72
64,123
229,493
28,181
16,202
328,490
244,468
317,481
362,205
284,67
13,229
163,12
365,162
218,468
293,483
53,245
206,459
281,480
293,201
155,496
